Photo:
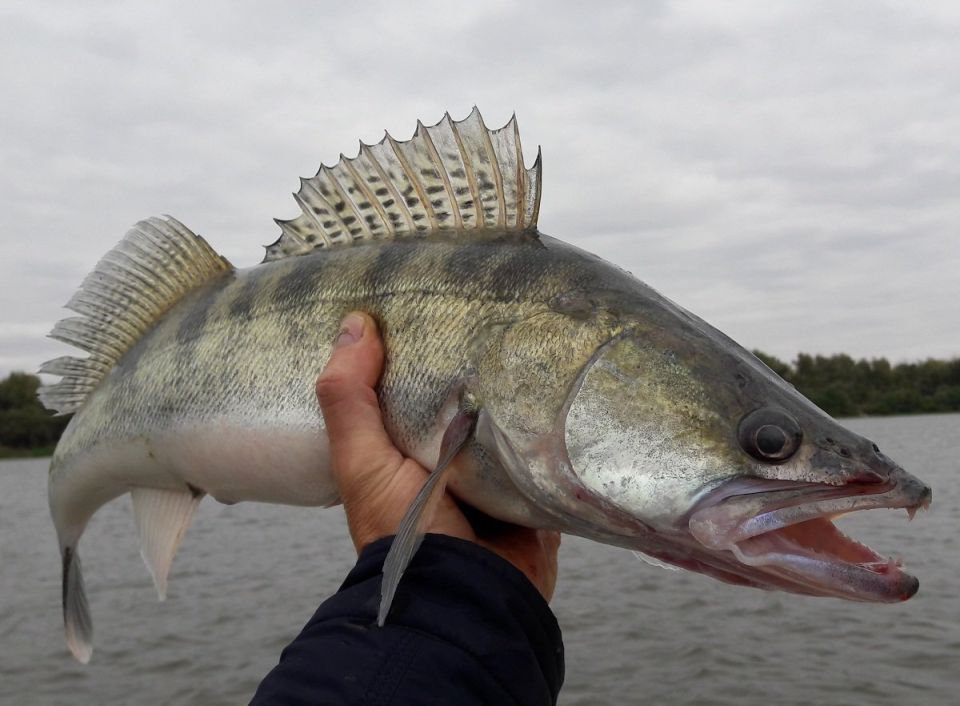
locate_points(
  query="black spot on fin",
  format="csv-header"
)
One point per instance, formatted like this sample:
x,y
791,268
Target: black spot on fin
x,y
456,176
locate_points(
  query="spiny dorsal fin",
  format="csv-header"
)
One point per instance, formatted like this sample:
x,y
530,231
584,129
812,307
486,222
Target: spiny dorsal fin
x,y
156,263
453,176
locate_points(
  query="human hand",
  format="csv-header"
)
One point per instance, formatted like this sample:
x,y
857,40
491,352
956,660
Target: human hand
x,y
378,483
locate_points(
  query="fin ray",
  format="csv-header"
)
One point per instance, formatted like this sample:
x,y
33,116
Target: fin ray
x,y
77,624
156,263
413,525
440,169
162,517
452,176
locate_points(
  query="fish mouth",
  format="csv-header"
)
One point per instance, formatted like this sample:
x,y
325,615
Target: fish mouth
x,y
781,535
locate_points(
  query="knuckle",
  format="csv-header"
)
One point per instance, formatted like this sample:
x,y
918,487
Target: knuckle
x,y
328,386
333,386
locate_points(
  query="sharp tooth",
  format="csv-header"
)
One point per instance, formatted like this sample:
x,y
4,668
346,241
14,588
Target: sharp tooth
x,y
911,513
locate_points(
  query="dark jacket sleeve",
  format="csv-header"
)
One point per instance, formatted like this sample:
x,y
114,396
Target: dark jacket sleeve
x,y
466,628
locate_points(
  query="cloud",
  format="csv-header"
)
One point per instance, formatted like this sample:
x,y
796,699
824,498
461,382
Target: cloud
x,y
788,171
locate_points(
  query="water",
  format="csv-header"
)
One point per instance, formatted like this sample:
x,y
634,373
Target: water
x,y
249,576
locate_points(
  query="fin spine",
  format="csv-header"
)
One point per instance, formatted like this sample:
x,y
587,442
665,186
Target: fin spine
x,y
305,207
290,234
373,200
468,170
521,172
396,189
391,187
498,177
534,174
342,193
414,182
442,171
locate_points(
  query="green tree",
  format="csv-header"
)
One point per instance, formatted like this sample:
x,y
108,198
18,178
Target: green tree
x,y
19,391
24,423
843,386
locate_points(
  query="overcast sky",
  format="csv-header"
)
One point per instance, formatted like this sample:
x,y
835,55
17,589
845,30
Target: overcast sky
x,y
790,171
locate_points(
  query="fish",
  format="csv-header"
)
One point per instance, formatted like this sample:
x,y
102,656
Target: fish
x,y
543,385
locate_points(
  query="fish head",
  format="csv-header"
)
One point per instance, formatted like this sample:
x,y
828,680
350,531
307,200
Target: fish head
x,y
725,468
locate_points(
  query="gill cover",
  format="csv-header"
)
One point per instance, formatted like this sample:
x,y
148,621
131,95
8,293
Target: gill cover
x,y
640,431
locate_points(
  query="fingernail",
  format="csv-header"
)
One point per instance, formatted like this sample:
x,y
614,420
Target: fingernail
x,y
351,331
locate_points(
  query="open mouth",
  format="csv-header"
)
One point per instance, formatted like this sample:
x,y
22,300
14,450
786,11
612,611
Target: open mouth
x,y
785,531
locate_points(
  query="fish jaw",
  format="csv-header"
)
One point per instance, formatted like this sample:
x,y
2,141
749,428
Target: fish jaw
x,y
780,534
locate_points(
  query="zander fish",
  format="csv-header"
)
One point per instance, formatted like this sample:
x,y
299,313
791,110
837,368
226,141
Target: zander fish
x,y
556,390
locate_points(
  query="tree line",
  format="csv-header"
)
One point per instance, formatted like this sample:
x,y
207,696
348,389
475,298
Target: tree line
x,y
26,427
844,387
838,384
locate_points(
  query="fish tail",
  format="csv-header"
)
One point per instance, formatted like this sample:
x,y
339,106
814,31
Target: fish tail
x,y
76,611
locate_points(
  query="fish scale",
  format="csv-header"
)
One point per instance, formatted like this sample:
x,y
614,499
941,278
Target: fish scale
x,y
544,386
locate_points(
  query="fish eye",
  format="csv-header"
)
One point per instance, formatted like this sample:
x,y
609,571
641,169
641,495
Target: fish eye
x,y
769,435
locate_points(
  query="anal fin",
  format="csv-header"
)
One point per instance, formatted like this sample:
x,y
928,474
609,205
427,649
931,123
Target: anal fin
x,y
414,523
162,517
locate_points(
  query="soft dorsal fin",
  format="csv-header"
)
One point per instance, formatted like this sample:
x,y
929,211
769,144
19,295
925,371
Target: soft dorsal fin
x,y
156,263
453,176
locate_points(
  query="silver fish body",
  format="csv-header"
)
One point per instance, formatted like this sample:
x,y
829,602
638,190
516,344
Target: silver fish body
x,y
605,410
218,396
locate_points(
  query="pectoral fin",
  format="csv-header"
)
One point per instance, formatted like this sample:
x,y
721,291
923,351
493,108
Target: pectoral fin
x,y
162,519
653,561
414,523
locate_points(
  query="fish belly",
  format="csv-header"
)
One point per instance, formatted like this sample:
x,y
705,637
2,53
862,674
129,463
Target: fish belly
x,y
233,462
228,461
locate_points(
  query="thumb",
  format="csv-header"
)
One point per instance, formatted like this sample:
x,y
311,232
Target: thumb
x,y
360,448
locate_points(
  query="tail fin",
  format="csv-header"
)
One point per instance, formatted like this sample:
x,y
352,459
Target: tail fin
x,y
76,612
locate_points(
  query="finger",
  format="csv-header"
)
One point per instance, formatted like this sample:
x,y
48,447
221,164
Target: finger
x,y
359,445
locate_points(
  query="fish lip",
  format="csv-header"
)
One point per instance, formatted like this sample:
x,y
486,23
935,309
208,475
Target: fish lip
x,y
783,530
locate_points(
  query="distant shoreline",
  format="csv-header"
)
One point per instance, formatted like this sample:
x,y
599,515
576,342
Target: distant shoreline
x,y
10,454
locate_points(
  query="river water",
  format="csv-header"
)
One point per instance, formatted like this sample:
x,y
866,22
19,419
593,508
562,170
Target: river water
x,y
248,577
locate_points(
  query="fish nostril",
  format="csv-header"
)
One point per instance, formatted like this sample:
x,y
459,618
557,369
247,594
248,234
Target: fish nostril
x,y
876,448
844,451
